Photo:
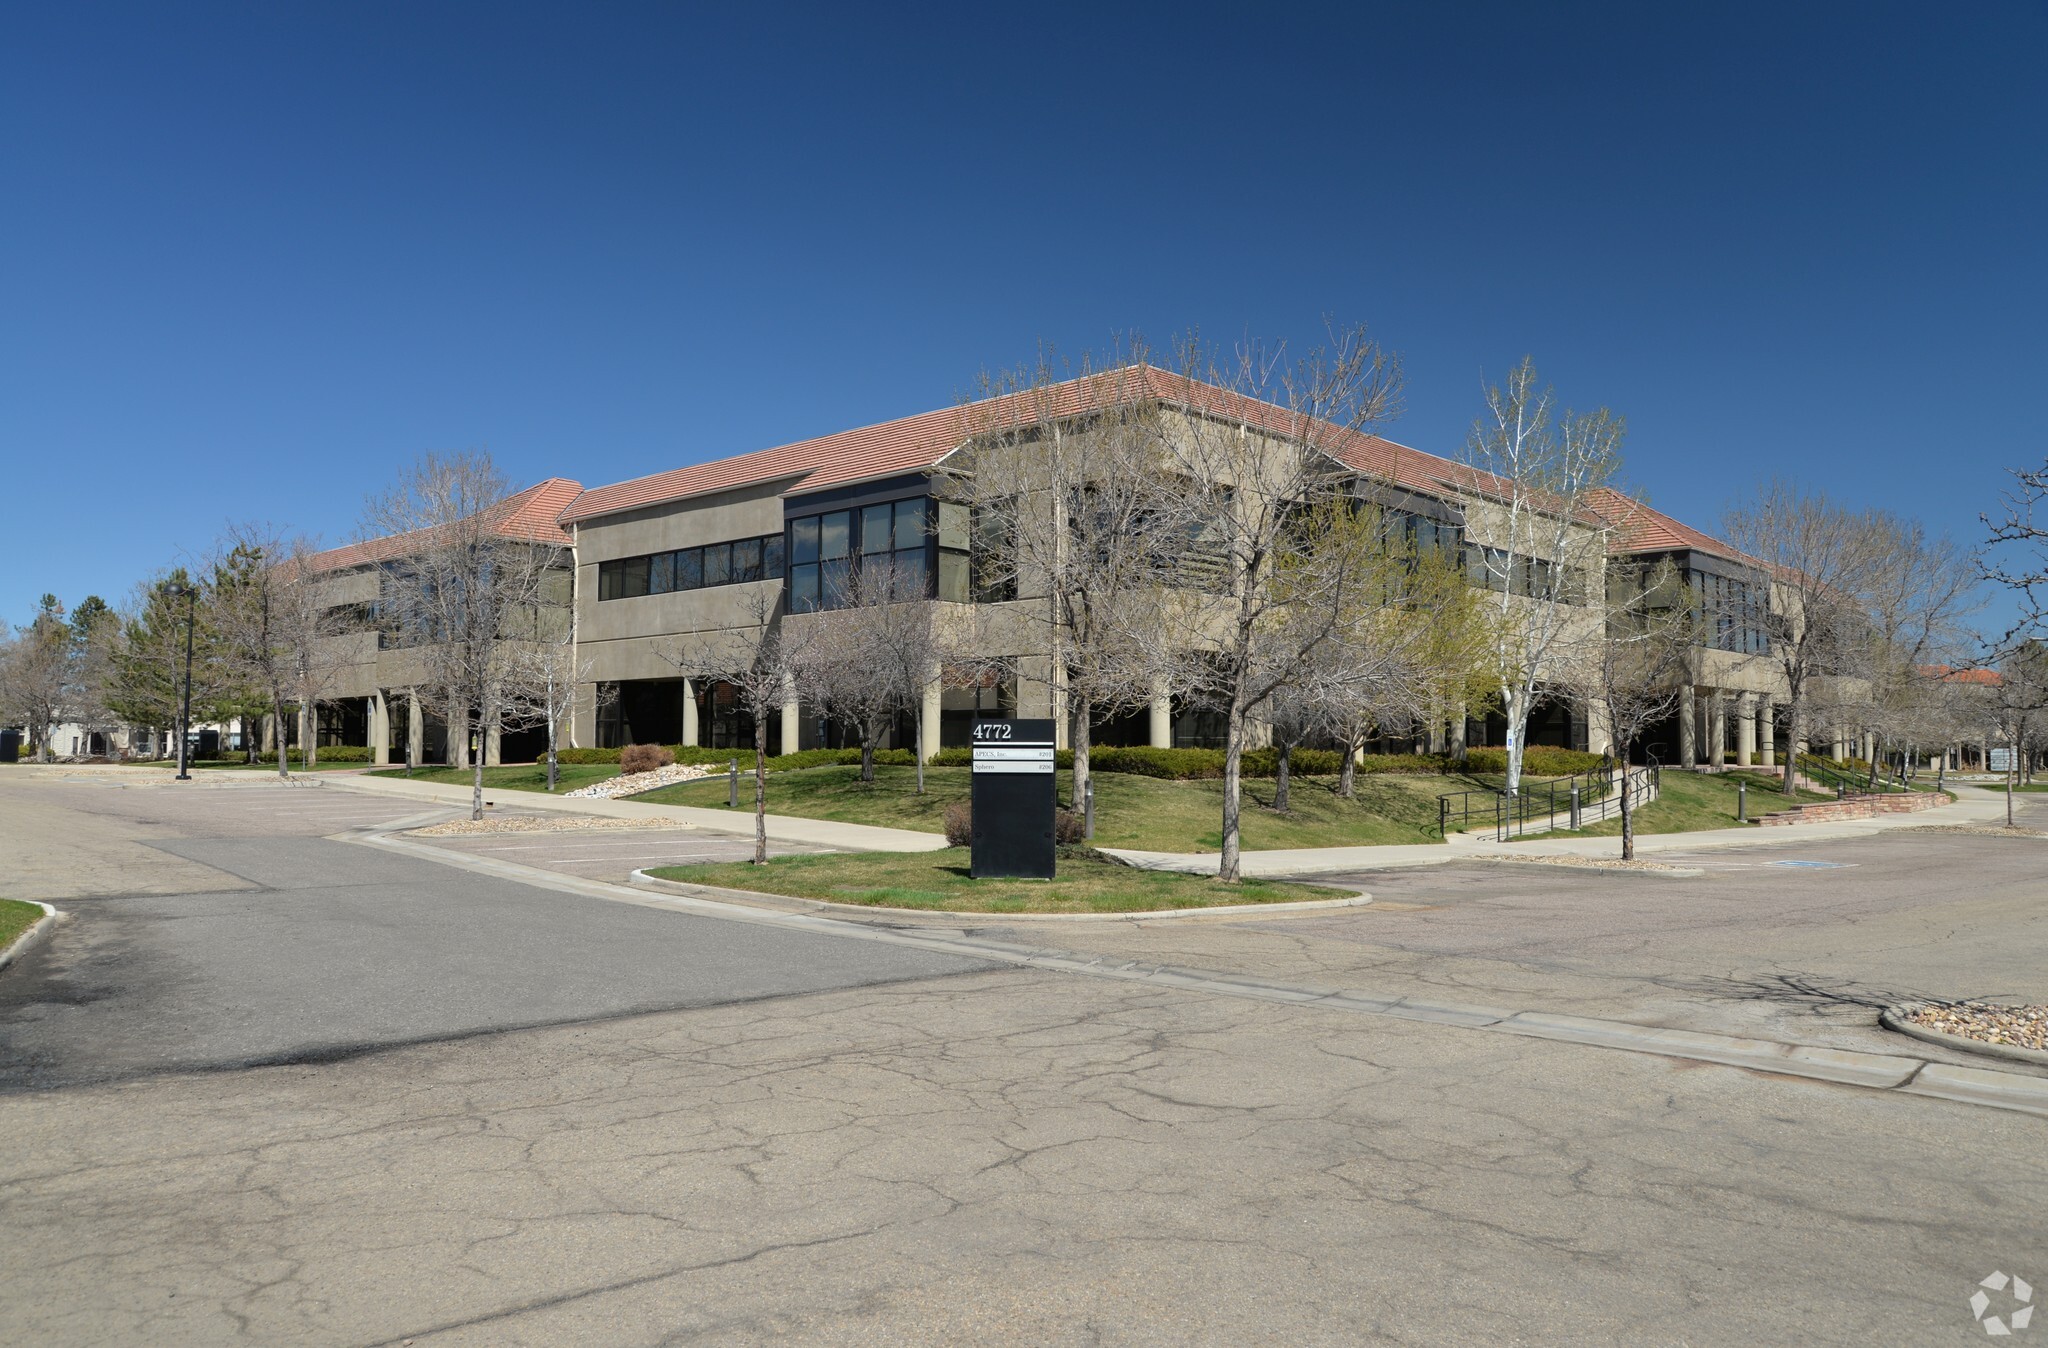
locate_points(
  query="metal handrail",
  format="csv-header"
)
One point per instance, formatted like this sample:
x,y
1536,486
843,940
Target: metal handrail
x,y
1510,814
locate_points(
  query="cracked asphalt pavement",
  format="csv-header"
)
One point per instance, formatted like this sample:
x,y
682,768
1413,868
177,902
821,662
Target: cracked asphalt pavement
x,y
270,1086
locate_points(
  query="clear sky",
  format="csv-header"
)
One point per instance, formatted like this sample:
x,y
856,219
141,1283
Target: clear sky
x,y
257,256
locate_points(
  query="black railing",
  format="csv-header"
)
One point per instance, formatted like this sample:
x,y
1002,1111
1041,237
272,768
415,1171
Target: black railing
x,y
1510,816
1846,781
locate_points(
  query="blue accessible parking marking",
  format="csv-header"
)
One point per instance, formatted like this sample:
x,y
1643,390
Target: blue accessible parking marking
x,y
1814,865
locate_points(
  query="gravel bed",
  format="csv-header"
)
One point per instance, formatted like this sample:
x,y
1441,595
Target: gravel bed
x,y
635,783
538,823
1595,863
2012,1026
1981,830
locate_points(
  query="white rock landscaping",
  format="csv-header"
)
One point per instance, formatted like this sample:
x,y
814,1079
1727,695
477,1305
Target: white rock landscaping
x,y
632,784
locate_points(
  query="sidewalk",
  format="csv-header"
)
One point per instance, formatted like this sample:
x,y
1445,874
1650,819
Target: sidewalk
x,y
781,828
1465,847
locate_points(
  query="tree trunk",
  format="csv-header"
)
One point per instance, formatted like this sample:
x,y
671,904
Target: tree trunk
x,y
1795,726
761,790
868,736
284,756
1515,704
476,790
252,749
1347,776
1628,816
309,748
2012,762
1084,747
554,770
1233,794
1282,798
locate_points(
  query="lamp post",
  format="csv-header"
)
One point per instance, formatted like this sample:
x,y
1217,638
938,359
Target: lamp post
x,y
191,596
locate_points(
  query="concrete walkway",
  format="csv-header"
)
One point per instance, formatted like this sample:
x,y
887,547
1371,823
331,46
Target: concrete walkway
x,y
781,828
1465,847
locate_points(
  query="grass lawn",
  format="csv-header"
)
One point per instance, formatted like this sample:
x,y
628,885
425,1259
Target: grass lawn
x,y
515,777
1130,811
17,917
2000,787
939,881
1688,802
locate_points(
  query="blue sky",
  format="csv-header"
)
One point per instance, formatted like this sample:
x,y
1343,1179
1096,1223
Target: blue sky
x,y
257,257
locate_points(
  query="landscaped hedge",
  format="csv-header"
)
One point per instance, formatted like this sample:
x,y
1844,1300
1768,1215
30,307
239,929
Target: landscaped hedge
x,y
586,755
964,758
326,753
1538,760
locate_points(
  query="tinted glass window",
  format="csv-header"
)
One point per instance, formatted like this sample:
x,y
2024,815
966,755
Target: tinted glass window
x,y
832,584
689,568
635,583
746,560
832,531
803,587
771,556
718,564
608,580
803,540
910,524
874,529
661,573
953,576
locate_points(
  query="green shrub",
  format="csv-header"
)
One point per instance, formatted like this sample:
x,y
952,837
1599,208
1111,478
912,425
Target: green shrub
x,y
329,753
586,755
1538,760
963,757
1174,765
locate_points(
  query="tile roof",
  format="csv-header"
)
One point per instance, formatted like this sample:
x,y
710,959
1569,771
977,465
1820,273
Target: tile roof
x,y
910,444
1638,528
532,514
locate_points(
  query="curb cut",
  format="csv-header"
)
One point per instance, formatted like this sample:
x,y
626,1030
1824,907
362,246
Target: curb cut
x,y
1899,1018
852,911
34,936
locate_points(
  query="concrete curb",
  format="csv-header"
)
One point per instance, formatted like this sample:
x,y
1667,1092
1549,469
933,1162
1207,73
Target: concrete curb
x,y
853,912
1899,1018
34,936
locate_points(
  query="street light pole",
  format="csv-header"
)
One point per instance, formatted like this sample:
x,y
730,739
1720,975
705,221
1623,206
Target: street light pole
x,y
185,718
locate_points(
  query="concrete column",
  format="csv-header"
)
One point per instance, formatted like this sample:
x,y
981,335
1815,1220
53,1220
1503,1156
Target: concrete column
x,y
490,746
415,729
1745,731
1688,728
380,729
689,711
928,715
790,712
1161,718
1599,728
1767,728
583,720
1717,728
1869,746
457,737
269,732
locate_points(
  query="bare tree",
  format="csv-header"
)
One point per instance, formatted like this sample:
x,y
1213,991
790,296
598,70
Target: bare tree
x,y
1252,593
2018,554
38,668
541,691
2020,701
1065,476
470,586
1535,545
869,656
1634,669
1923,589
275,628
1827,566
761,663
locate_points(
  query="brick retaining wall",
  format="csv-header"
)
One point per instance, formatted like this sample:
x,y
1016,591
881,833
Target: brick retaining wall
x,y
1859,807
